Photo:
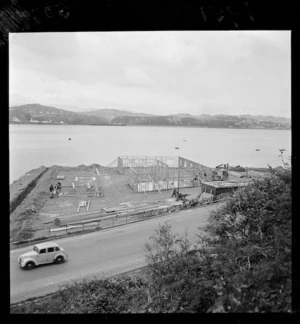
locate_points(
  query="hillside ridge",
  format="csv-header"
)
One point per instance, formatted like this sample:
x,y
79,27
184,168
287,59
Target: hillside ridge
x,y
37,113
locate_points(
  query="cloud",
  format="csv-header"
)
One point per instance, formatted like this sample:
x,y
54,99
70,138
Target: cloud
x,y
162,72
48,45
136,76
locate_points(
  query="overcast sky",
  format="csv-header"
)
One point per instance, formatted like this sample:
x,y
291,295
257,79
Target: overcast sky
x,y
197,72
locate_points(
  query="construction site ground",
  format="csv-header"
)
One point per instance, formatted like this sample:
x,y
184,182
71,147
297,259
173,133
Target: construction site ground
x,y
32,218
37,212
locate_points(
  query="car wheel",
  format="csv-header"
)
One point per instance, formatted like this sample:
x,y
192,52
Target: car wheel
x,y
59,259
29,265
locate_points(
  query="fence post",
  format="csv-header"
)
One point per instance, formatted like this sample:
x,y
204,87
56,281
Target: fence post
x,y
113,221
98,224
49,231
67,229
126,220
83,226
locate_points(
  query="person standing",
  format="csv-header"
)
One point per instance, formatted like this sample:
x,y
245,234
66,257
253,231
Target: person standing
x,y
51,191
174,193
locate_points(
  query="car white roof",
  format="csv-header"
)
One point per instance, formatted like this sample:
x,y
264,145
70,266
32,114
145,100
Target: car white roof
x,y
46,245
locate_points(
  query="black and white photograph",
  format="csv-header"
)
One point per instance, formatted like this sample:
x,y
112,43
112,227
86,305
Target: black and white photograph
x,y
150,171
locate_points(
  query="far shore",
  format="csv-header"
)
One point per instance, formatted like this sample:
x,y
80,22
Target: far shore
x,y
179,126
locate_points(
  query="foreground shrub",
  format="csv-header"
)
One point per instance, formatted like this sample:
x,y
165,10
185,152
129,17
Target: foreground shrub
x,y
251,236
244,265
177,280
121,294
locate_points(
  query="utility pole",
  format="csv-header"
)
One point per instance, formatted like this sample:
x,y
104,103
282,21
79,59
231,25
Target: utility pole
x,y
178,172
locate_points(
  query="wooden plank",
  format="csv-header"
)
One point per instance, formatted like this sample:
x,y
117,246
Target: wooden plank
x,y
96,189
112,209
88,205
133,170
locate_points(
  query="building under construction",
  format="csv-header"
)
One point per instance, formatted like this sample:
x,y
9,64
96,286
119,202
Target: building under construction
x,y
156,173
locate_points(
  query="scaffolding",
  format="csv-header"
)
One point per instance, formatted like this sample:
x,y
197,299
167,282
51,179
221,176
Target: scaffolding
x,y
151,173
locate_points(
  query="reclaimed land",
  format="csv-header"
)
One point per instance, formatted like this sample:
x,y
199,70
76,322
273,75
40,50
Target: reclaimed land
x,y
33,212
37,211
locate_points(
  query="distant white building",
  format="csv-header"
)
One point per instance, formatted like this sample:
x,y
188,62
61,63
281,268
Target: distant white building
x,y
33,121
15,119
47,121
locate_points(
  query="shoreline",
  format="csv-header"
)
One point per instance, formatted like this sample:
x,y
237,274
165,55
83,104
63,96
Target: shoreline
x,y
177,126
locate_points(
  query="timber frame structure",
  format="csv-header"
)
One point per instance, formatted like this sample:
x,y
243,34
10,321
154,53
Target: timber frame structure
x,y
151,173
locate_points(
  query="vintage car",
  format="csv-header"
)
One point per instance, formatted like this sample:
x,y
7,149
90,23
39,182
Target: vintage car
x,y
43,253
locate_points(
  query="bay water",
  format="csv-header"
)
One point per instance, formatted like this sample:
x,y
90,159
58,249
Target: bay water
x,y
31,146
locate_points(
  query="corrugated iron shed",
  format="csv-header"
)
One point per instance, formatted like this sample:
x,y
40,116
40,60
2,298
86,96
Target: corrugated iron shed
x,y
226,184
219,187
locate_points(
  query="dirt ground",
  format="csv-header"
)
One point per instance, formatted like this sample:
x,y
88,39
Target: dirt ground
x,y
115,190
38,211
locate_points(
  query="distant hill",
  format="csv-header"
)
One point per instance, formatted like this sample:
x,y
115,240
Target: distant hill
x,y
36,113
110,114
201,121
44,114
282,120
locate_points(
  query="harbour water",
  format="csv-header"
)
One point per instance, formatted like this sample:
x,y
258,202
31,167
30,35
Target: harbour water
x,y
31,146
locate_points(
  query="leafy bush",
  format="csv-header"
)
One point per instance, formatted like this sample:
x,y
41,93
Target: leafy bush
x,y
120,294
252,240
176,280
243,265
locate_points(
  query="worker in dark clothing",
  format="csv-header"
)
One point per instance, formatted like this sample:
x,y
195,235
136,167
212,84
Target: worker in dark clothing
x,y
174,193
51,191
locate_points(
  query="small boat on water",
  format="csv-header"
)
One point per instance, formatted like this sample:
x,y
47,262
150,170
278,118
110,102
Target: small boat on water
x,y
176,148
257,149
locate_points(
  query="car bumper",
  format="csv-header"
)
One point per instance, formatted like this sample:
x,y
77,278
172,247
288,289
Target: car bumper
x,y
21,263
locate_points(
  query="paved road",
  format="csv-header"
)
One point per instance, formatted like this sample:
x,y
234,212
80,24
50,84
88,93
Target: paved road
x,y
107,252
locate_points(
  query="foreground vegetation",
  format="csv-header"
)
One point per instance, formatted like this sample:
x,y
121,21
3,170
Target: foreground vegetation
x,y
243,264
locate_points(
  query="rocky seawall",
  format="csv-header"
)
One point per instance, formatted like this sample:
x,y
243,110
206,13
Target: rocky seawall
x,y
20,188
